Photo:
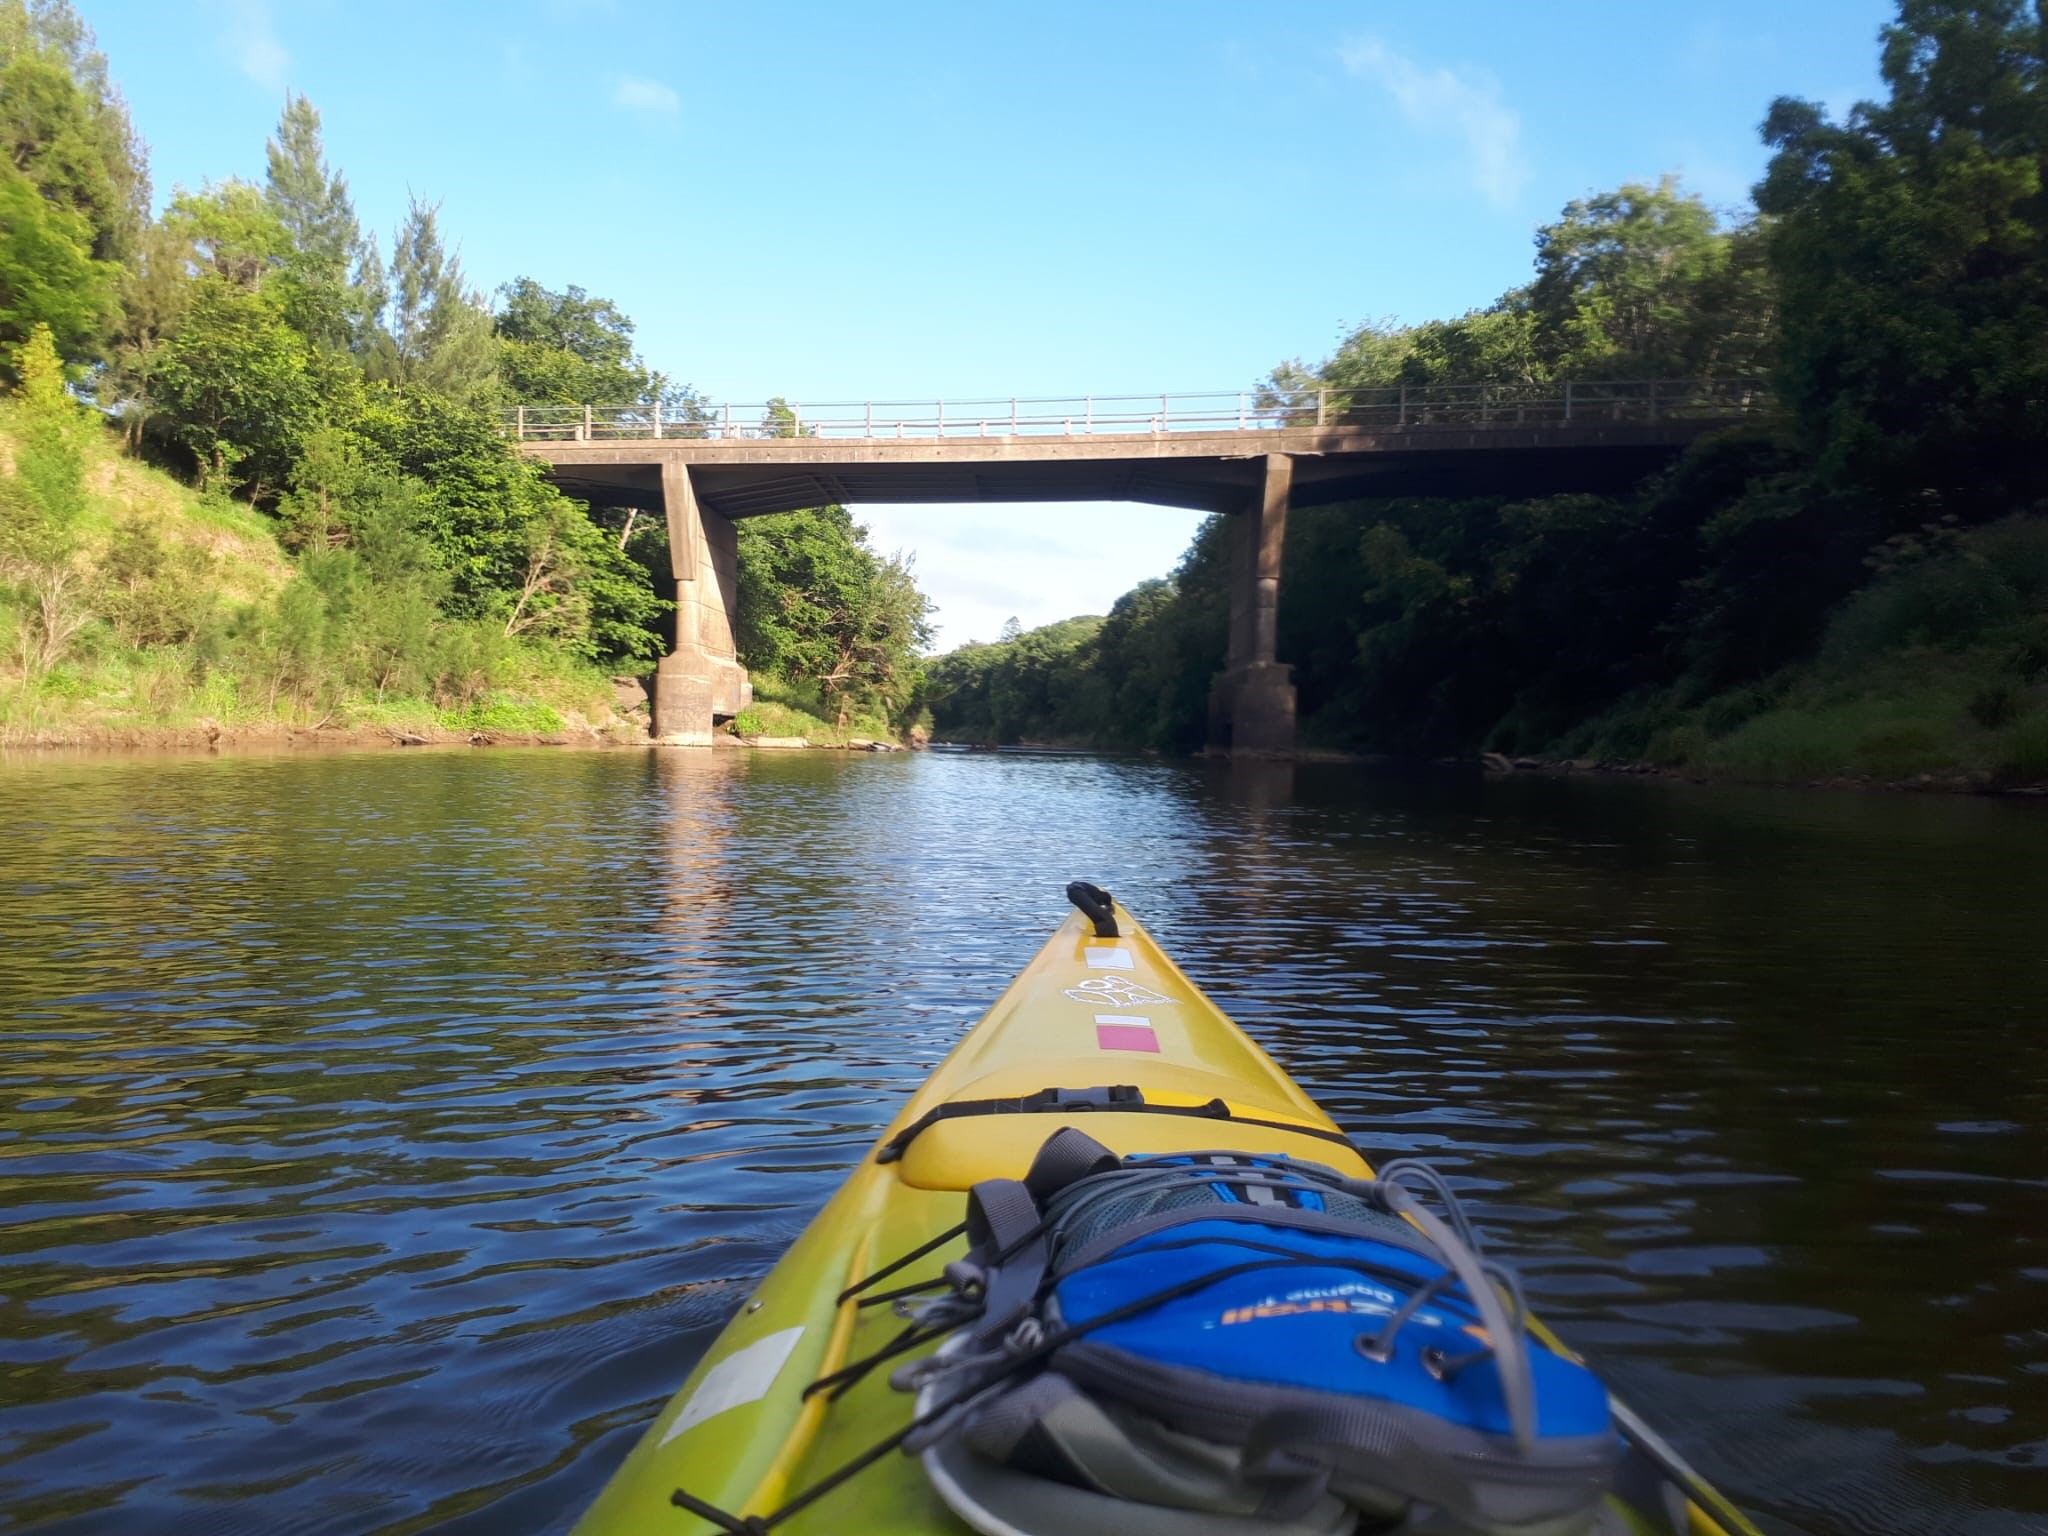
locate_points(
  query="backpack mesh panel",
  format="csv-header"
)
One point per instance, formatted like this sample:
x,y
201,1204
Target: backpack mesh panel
x,y
1100,1217
1107,1215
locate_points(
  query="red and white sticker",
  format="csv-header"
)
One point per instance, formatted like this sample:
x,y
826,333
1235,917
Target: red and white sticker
x,y
1125,1032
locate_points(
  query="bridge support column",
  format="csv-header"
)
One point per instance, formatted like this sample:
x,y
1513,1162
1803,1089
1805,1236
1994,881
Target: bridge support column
x,y
1251,703
703,681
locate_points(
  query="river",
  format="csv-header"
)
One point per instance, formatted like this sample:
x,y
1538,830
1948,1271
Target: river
x,y
383,1136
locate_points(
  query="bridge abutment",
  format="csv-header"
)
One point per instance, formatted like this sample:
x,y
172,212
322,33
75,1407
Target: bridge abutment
x,y
702,681
1251,702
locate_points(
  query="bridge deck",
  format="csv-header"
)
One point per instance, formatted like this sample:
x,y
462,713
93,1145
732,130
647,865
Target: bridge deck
x,y
1211,471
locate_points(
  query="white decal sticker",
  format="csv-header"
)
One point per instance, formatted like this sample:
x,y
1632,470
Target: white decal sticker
x,y
1115,990
1110,960
742,1377
1123,1018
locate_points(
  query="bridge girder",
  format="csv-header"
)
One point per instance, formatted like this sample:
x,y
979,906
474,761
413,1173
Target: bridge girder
x,y
703,484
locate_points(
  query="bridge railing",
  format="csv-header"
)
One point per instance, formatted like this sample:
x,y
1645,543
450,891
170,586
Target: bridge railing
x,y
1391,408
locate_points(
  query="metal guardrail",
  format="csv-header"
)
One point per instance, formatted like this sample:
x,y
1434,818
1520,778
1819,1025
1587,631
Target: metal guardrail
x,y
1400,408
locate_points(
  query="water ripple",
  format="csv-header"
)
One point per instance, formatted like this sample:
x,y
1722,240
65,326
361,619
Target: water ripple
x,y
383,1137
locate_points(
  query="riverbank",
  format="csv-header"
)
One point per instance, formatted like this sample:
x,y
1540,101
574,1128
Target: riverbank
x,y
1952,782
273,736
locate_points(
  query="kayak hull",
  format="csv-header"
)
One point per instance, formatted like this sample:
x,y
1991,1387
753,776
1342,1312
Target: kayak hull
x,y
744,1436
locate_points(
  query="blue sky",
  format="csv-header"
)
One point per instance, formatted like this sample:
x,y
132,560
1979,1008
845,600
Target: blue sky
x,y
845,202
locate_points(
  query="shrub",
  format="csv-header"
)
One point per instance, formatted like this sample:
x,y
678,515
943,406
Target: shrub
x,y
514,717
2023,751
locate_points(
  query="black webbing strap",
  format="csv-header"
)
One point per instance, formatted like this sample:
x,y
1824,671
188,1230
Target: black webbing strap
x,y
1120,1100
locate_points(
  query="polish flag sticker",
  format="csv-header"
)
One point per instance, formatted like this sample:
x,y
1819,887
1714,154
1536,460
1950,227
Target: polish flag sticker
x,y
1125,1032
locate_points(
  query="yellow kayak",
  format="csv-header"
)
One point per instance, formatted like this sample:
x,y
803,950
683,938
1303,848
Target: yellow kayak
x,y
744,1435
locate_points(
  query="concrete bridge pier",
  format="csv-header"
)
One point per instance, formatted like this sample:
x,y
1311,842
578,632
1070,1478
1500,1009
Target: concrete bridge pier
x,y
702,681
1251,702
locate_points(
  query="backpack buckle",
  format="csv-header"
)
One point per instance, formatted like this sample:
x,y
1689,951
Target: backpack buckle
x,y
1091,1098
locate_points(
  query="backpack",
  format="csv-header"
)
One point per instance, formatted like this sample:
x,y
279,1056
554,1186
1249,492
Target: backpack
x,y
1222,1344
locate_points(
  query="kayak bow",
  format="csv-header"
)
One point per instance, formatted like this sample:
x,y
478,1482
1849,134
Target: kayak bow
x,y
1103,1031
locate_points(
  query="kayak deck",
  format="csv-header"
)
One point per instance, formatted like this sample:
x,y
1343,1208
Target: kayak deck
x,y
1088,1014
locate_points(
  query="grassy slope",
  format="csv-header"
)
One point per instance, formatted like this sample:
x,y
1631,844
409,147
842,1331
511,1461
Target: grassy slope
x,y
784,709
1935,671
107,690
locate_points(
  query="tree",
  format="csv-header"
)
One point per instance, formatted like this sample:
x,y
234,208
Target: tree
x,y
333,279
156,290
40,506
231,231
1641,282
65,128
439,333
818,607
592,330
1911,243
239,389
568,348
49,281
309,198
1619,280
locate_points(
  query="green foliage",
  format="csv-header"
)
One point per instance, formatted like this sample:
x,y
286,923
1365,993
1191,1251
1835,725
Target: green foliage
x,y
65,130
254,339
817,605
154,594
1640,282
793,707
1644,282
439,333
48,277
331,280
1858,594
570,348
231,231
2023,751
1136,679
41,505
503,713
237,388
1910,243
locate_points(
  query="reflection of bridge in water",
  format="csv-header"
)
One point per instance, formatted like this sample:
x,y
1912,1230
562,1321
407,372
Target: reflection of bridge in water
x,y
1246,453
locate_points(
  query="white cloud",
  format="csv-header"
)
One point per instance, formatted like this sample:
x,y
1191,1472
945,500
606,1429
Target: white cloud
x,y
1460,102
648,97
251,40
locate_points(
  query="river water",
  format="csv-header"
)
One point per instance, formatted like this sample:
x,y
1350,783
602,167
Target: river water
x,y
383,1136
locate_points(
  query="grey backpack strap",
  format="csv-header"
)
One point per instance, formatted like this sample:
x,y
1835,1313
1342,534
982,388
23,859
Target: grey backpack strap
x,y
1050,1428
1006,1240
1068,1156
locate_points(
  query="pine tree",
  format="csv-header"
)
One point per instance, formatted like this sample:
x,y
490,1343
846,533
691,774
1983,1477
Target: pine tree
x,y
310,199
333,278
66,126
439,331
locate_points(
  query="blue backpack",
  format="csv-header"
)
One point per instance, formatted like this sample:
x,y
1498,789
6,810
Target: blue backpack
x,y
1221,1344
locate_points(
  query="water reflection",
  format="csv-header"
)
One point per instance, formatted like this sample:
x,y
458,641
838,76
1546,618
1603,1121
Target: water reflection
x,y
382,1137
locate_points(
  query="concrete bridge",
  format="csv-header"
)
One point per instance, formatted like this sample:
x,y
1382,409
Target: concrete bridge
x,y
1251,455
